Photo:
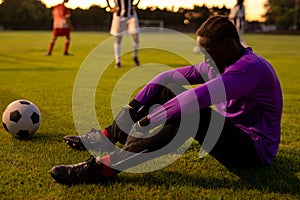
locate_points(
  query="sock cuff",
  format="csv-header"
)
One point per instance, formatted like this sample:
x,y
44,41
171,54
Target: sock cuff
x,y
107,170
105,133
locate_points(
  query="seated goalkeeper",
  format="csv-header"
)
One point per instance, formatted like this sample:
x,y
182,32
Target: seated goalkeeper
x,y
234,111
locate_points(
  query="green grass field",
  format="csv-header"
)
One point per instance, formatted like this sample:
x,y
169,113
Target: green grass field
x,y
48,82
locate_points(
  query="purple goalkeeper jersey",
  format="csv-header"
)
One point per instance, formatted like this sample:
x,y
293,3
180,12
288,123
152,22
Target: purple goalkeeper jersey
x,y
252,98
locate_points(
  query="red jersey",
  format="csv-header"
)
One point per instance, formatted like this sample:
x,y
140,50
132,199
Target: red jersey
x,y
60,12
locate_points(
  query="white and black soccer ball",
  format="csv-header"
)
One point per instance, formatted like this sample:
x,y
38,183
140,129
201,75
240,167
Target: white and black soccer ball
x,y
21,118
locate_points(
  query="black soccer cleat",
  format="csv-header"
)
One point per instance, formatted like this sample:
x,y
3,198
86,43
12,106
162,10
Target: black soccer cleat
x,y
74,142
68,54
94,140
136,61
88,171
118,65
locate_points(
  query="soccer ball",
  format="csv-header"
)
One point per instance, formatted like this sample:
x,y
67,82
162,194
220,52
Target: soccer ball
x,y
21,118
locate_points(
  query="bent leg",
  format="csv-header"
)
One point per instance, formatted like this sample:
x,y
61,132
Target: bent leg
x,y
233,148
123,122
135,150
173,135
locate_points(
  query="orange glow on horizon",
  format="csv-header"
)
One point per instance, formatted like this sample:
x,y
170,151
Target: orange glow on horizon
x,y
254,8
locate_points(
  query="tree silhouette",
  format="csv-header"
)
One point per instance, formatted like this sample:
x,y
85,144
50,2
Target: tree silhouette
x,y
24,14
281,13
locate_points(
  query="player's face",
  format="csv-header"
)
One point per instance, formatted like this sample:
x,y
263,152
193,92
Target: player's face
x,y
215,54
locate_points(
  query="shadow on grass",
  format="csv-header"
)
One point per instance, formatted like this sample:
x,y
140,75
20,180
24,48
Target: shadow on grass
x,y
280,177
42,136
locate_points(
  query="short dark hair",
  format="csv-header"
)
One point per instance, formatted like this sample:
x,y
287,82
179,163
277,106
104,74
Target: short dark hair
x,y
218,28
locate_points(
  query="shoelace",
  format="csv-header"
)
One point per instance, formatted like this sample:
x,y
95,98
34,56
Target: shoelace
x,y
79,168
87,136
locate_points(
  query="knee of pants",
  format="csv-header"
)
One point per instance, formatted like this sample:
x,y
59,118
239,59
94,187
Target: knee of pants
x,y
170,91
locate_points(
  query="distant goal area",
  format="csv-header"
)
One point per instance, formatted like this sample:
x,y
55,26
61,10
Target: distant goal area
x,y
153,25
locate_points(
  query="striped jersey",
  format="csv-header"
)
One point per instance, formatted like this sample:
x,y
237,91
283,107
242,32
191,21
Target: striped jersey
x,y
125,8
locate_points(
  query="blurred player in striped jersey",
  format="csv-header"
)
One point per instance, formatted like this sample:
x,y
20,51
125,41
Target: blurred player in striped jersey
x,y
237,16
124,19
61,26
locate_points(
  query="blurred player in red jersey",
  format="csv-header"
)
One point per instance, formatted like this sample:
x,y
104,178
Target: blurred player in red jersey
x,y
61,26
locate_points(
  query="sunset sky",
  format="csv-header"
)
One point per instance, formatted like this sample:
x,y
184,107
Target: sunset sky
x,y
254,8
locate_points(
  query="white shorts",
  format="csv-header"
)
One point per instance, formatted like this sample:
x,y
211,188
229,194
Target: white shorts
x,y
120,25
